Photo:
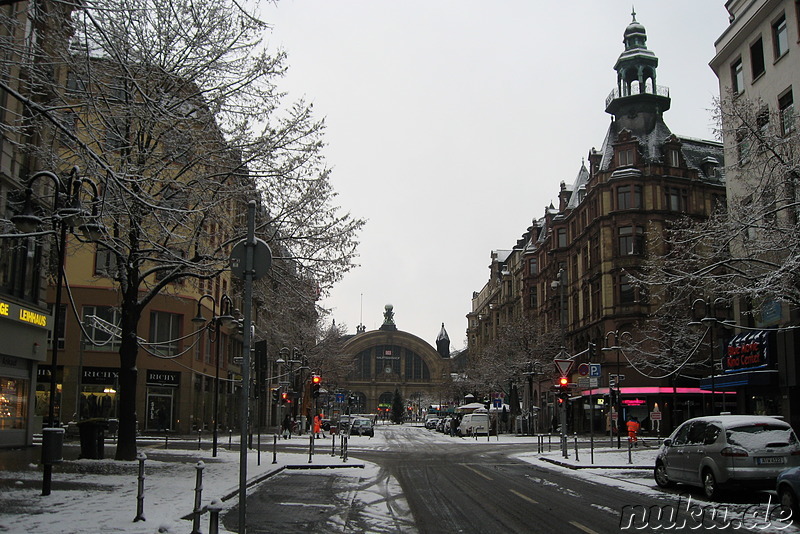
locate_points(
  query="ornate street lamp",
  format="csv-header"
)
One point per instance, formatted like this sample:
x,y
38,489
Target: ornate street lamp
x,y
710,314
66,215
225,318
618,338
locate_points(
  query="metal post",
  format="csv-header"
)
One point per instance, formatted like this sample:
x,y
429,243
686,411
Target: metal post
x,y
215,430
214,508
333,445
275,449
259,446
310,447
198,497
140,493
630,458
576,446
199,432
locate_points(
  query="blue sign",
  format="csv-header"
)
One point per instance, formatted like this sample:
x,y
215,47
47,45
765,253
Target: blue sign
x,y
594,370
340,397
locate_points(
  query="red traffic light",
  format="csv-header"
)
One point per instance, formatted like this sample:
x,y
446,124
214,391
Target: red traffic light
x,y
563,381
316,379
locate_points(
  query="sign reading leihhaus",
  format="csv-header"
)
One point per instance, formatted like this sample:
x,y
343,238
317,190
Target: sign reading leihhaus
x,y
163,378
747,351
12,311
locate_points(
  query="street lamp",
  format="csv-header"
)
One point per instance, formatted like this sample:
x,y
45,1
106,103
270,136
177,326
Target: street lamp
x,y
709,313
67,214
216,320
618,338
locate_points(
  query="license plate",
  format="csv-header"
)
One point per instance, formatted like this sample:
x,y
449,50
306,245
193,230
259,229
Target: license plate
x,y
770,460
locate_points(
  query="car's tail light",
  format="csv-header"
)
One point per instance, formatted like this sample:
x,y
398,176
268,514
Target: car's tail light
x,y
733,452
795,452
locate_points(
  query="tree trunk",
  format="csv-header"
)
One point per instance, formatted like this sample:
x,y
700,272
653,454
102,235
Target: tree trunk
x,y
129,348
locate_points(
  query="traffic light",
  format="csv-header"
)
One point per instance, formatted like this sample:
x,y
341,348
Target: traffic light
x,y
562,385
276,395
286,398
316,380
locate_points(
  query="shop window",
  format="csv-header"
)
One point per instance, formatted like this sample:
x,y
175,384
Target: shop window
x,y
13,403
757,58
165,329
737,77
780,37
786,111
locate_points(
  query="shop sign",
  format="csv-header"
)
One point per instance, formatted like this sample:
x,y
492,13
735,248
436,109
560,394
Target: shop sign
x,y
633,402
12,311
100,376
746,351
163,378
43,373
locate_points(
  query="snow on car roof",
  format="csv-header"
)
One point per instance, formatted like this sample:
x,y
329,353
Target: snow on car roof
x,y
728,421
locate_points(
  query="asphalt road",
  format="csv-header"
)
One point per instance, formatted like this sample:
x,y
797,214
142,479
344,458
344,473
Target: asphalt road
x,y
429,486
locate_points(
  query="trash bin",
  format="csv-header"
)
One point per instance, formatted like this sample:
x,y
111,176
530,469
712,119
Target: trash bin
x,y
92,433
52,445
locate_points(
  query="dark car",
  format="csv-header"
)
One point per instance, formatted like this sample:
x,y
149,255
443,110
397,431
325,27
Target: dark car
x,y
362,426
788,488
715,451
326,424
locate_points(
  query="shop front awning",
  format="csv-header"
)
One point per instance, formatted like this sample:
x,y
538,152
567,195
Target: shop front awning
x,y
732,381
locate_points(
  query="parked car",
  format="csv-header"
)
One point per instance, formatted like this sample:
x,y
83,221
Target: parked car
x,y
474,424
343,424
788,488
716,451
431,420
362,426
440,424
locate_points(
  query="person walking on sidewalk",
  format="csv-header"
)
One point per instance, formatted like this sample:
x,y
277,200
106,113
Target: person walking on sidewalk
x,y
633,431
286,427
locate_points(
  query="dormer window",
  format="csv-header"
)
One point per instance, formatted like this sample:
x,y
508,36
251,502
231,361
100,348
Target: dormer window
x,y
674,157
625,157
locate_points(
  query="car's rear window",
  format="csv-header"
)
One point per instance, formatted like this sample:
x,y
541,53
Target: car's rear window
x,y
761,436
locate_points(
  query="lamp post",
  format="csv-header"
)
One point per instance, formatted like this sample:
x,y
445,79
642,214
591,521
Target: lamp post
x,y
618,338
707,313
65,218
213,325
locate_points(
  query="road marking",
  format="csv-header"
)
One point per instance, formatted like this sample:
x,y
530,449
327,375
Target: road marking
x,y
583,528
523,496
477,472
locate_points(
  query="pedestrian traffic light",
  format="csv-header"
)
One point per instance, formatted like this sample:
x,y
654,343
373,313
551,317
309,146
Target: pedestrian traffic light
x,y
316,380
276,395
286,398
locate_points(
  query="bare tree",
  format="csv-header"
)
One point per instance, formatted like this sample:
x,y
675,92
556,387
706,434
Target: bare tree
x,y
172,104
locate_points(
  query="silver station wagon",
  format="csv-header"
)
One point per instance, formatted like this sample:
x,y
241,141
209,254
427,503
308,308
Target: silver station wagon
x,y
716,451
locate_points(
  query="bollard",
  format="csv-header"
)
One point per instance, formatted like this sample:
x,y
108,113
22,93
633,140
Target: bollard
x,y
310,447
275,449
576,447
259,447
214,508
630,458
333,445
198,438
198,495
230,437
346,439
591,448
549,442
166,441
140,493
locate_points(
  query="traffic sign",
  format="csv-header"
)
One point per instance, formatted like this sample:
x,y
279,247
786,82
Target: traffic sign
x,y
583,369
595,370
563,366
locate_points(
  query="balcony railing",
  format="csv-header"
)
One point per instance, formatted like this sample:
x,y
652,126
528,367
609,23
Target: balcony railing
x,y
635,90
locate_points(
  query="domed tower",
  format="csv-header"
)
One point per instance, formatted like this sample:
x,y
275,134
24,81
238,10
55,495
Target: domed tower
x,y
443,343
637,91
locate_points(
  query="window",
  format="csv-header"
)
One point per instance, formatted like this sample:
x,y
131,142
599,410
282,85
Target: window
x,y
627,293
757,58
737,77
99,323
562,237
780,37
416,368
786,111
676,199
674,157
625,157
104,262
533,300
630,240
165,329
629,197
75,83
742,147
533,266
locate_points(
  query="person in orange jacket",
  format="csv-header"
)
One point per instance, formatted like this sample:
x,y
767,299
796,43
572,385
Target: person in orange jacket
x,y
633,430
317,425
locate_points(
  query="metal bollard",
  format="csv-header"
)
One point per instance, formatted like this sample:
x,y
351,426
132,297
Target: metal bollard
x,y
198,497
333,445
275,449
140,493
259,447
576,447
198,438
166,441
310,447
346,439
630,458
214,508
230,437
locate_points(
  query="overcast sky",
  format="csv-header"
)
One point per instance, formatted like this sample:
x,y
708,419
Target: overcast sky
x,y
451,124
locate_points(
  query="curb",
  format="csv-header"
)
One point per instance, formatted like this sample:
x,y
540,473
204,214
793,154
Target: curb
x,y
577,467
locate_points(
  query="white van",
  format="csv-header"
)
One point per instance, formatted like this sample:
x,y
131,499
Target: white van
x,y
474,424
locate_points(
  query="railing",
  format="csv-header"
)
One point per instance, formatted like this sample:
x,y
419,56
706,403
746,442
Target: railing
x,y
635,90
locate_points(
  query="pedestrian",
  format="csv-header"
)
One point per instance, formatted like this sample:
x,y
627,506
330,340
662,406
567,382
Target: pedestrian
x,y
317,426
286,427
633,429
